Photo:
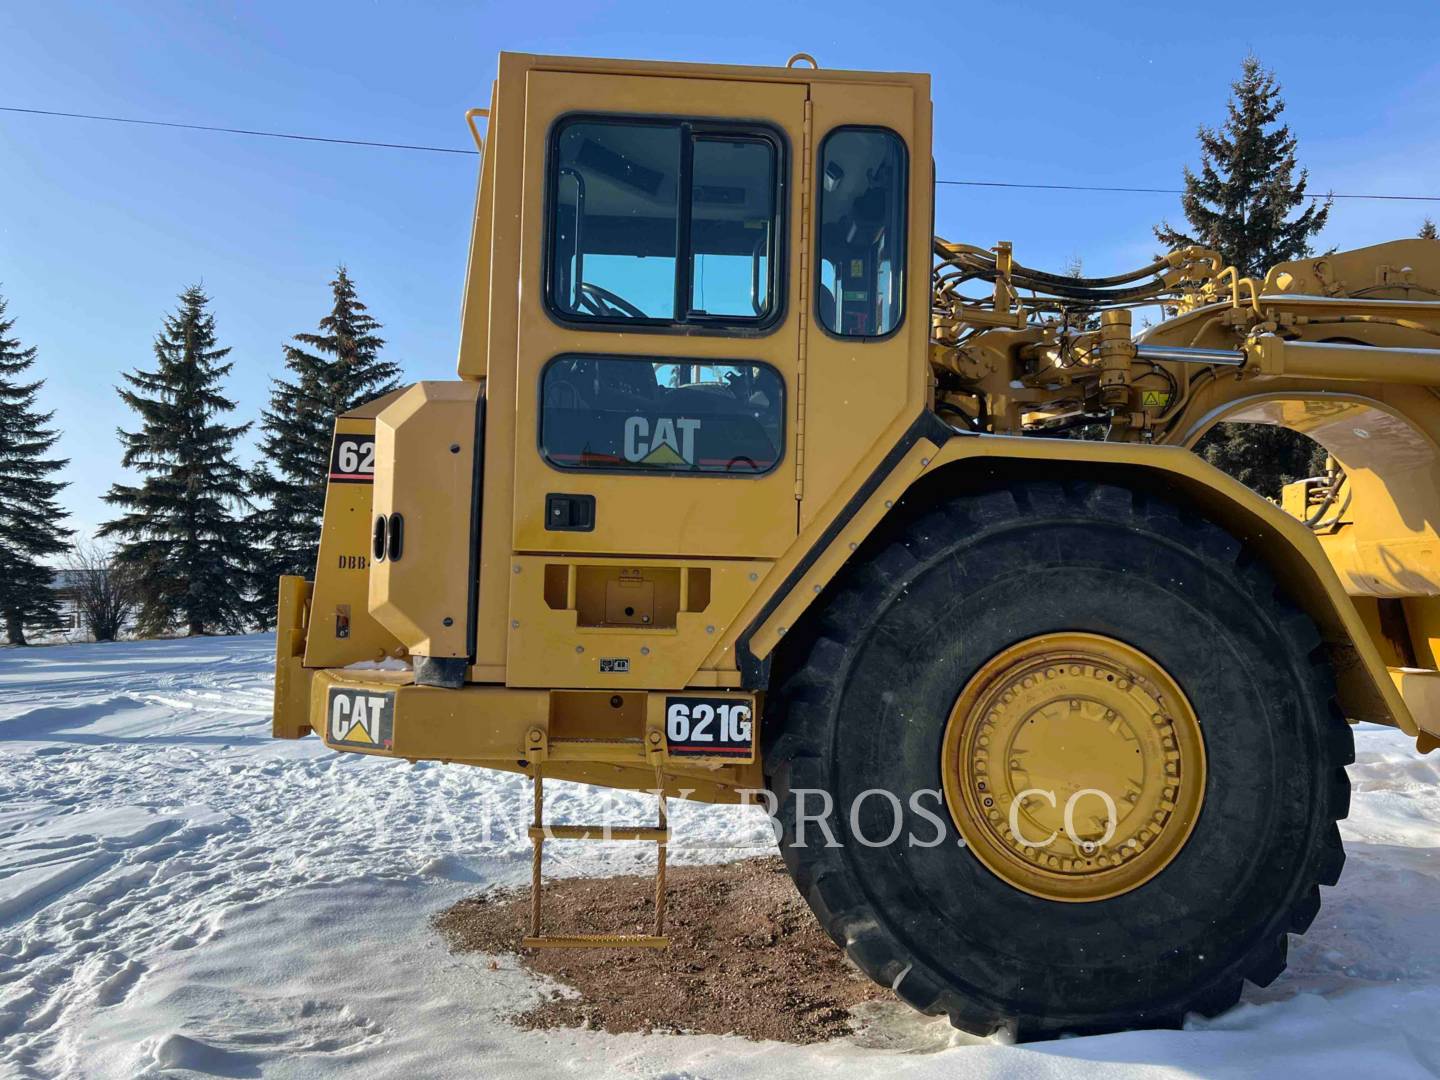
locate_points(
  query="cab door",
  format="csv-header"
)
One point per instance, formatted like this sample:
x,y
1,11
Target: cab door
x,y
658,342
867,372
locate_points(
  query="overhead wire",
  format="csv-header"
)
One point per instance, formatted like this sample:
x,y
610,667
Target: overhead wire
x,y
1164,191
468,152
239,131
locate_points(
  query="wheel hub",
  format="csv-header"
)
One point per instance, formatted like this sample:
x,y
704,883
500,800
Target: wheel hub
x,y
1073,767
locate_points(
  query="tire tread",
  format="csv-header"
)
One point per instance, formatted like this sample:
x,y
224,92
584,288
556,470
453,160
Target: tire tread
x,y
798,753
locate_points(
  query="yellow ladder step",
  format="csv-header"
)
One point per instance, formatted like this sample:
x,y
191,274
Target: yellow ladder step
x,y
540,832
597,832
596,941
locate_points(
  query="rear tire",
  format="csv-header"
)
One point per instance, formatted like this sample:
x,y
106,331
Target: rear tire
x,y
865,705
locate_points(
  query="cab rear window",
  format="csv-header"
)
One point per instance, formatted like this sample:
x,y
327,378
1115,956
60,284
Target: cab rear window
x,y
663,223
662,416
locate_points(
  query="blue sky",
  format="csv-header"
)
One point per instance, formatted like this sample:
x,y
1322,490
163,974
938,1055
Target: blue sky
x,y
102,225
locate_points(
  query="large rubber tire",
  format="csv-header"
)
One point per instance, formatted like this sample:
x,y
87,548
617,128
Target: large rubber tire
x,y
864,700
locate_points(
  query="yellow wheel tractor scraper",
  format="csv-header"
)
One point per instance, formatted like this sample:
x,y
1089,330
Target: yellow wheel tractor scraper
x,y
744,489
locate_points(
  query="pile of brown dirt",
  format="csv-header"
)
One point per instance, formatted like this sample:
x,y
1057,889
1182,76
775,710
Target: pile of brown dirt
x,y
746,955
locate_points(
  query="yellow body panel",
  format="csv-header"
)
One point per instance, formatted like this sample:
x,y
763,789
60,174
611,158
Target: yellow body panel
x,y
340,629
425,470
490,321
568,614
1386,437
832,556
861,394
1422,617
1292,552
704,516
1420,690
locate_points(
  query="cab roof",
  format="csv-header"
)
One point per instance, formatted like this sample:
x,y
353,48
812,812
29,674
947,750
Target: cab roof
x,y
529,61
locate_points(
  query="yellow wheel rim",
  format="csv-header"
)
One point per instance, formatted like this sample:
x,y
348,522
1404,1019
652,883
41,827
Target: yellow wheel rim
x,y
1073,767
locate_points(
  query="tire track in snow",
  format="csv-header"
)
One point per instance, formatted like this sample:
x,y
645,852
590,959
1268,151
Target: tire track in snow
x,y
163,807
146,812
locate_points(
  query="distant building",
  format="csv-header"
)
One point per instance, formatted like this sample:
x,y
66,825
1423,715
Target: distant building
x,y
71,623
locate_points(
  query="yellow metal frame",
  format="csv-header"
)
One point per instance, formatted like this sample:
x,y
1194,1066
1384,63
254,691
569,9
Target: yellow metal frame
x,y
592,736
494,725
861,432
290,718
1366,689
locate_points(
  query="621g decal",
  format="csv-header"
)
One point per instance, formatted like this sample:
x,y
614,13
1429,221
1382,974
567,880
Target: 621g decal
x,y
709,727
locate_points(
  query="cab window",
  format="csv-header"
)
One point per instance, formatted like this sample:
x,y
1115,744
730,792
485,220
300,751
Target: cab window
x,y
663,223
661,416
862,217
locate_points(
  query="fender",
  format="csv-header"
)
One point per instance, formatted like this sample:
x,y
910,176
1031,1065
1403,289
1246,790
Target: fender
x,y
928,461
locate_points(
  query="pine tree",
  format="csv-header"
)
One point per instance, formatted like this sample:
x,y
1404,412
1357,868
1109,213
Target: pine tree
x,y
30,529
180,536
1240,204
331,372
1263,457
1427,230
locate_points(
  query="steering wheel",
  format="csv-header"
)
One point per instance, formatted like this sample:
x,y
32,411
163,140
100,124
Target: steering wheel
x,y
604,303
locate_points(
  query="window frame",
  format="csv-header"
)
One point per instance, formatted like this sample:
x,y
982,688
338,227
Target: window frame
x,y
662,474
818,280
683,321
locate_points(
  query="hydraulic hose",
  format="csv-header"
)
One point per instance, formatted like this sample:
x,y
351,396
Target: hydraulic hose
x,y
1154,269
966,254
1073,292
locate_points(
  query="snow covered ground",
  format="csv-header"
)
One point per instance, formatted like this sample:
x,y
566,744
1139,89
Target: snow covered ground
x,y
182,895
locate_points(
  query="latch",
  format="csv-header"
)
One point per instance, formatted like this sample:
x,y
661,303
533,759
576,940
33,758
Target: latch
x,y
569,513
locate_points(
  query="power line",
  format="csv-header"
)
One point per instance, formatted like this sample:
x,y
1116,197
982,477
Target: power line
x,y
1161,191
473,153
237,131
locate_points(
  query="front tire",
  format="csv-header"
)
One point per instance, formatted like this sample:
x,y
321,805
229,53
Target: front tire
x,y
868,703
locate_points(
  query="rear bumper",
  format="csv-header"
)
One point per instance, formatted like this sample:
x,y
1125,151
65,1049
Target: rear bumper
x,y
475,723
615,738
384,714
479,724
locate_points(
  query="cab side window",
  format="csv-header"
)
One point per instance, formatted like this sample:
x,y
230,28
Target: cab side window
x,y
862,218
663,223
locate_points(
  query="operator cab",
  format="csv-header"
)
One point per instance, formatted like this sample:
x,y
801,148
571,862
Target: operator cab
x,y
710,344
